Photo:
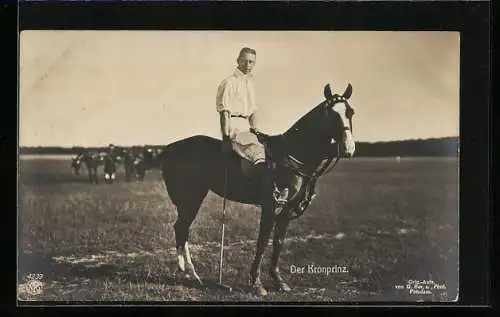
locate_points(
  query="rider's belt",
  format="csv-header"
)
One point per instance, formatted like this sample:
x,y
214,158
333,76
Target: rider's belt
x,y
239,116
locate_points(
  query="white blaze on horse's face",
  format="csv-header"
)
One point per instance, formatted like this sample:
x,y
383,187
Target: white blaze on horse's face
x,y
340,105
348,144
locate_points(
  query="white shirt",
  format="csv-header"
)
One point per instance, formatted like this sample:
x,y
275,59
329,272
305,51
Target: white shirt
x,y
236,94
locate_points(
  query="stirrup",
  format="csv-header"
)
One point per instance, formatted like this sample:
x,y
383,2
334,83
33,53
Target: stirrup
x,y
281,197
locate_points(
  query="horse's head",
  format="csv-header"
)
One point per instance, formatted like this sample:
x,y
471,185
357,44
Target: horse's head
x,y
131,156
76,163
100,156
118,154
327,124
339,123
151,156
125,155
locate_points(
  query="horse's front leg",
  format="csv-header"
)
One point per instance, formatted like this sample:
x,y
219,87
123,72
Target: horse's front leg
x,y
89,171
295,183
127,171
96,178
266,225
282,222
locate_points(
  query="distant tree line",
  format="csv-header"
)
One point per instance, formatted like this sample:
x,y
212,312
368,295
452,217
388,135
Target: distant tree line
x,y
419,147
58,150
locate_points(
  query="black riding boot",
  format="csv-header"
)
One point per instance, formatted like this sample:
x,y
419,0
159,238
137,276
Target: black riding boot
x,y
309,195
268,184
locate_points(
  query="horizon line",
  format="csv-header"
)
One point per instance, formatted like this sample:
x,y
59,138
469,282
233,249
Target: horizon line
x,y
155,144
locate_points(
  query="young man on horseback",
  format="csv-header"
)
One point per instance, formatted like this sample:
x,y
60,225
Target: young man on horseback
x,y
236,104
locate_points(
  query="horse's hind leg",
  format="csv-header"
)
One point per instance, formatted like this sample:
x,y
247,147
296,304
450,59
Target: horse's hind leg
x,y
89,171
141,172
278,240
187,211
181,244
127,171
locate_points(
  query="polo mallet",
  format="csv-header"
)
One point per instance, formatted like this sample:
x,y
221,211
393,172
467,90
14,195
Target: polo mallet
x,y
225,287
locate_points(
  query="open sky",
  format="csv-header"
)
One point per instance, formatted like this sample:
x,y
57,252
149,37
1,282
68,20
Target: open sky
x,y
91,88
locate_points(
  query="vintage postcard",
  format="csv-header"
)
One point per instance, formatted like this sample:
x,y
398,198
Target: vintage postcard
x,y
208,166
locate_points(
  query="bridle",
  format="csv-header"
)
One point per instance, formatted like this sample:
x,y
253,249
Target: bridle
x,y
300,168
341,99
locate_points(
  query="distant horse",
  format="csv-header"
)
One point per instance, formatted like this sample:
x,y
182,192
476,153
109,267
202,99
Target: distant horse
x,y
152,157
146,159
131,161
76,163
92,160
310,148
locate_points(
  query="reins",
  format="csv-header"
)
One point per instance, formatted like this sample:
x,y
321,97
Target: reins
x,y
324,169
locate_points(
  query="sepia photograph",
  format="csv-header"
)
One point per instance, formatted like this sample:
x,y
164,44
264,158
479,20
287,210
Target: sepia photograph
x,y
238,166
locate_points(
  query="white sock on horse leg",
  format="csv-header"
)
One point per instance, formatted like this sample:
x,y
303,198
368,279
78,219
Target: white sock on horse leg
x,y
187,257
180,259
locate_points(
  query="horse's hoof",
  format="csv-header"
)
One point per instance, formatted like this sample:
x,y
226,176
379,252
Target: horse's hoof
x,y
180,274
200,282
280,284
283,287
258,289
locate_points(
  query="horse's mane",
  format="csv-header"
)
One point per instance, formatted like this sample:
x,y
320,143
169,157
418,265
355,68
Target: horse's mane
x,y
306,138
304,121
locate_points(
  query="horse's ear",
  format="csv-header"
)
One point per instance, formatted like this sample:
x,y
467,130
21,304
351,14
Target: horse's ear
x,y
328,92
348,92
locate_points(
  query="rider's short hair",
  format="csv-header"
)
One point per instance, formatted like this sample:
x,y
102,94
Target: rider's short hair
x,y
247,50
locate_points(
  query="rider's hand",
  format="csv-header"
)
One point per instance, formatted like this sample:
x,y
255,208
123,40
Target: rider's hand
x,y
260,136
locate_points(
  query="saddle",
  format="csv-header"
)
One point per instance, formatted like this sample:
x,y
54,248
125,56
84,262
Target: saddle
x,y
248,169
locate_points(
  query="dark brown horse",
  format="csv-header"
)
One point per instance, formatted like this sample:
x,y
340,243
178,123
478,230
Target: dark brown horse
x,y
191,167
147,159
137,161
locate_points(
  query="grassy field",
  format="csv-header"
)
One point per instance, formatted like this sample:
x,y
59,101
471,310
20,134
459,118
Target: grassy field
x,y
387,222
